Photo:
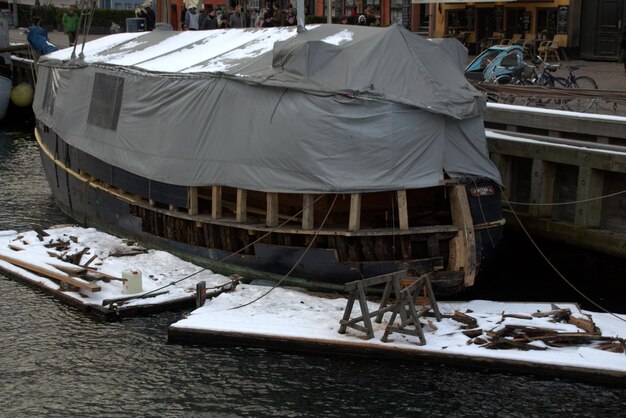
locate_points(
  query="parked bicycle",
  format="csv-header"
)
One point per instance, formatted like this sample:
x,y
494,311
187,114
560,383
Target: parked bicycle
x,y
547,79
520,75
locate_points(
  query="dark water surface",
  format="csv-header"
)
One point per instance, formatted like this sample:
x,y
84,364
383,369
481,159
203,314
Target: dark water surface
x,y
55,361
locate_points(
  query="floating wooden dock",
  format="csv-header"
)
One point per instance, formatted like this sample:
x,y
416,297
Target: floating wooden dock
x,y
36,260
289,320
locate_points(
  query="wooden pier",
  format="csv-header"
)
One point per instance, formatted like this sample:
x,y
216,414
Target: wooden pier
x,y
550,158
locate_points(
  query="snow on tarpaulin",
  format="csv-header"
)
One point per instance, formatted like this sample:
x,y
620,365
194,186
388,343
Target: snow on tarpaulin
x,y
333,109
158,268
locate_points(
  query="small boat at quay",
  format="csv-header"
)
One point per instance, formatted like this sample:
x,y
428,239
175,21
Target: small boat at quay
x,y
313,158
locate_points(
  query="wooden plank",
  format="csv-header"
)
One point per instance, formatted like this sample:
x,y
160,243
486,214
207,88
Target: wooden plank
x,y
271,216
555,121
241,210
542,188
463,246
51,273
192,200
354,223
503,162
403,210
590,184
308,212
216,202
579,156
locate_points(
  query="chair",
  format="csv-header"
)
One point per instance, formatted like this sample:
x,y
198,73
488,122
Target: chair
x,y
551,48
516,37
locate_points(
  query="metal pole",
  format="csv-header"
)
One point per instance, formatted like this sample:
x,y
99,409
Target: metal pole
x,y
300,15
329,12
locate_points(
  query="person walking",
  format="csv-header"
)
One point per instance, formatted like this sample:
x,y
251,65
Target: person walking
x,y
70,24
191,19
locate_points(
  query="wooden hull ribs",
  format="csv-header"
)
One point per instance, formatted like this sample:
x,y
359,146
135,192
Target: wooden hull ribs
x,y
313,240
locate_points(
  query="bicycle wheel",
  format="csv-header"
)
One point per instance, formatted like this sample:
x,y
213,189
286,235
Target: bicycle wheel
x,y
505,79
582,104
560,82
540,101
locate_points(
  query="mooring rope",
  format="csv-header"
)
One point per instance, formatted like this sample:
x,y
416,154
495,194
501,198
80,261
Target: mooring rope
x,y
556,270
271,231
573,202
243,248
295,264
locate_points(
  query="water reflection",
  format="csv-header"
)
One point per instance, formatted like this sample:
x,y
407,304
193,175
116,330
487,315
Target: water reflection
x,y
56,361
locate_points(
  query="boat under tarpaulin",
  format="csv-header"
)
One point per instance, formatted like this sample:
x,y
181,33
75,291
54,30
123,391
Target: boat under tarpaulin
x,y
337,108
200,142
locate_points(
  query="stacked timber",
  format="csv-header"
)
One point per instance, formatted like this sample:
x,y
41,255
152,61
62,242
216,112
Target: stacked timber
x,y
521,336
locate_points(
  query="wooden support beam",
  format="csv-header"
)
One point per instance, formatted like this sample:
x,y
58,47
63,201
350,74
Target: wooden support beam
x,y
590,184
216,202
355,212
241,210
192,200
308,218
403,210
271,216
542,188
503,162
463,246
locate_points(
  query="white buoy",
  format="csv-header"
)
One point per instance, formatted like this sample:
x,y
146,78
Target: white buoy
x,y
132,281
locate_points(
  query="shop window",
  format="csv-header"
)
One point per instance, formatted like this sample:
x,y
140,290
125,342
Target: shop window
x,y
546,23
456,20
514,21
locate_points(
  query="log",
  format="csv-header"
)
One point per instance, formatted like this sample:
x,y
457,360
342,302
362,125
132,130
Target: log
x,y
472,333
465,319
517,316
552,312
584,324
51,273
93,257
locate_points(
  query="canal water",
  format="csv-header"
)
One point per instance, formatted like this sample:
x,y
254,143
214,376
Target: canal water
x,y
56,361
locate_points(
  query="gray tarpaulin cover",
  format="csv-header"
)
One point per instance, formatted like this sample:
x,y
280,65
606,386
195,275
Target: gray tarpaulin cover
x,y
334,109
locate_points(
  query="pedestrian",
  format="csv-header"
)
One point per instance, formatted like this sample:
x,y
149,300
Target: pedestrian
x,y
70,24
277,16
191,19
150,16
203,15
622,46
36,14
267,21
210,22
236,19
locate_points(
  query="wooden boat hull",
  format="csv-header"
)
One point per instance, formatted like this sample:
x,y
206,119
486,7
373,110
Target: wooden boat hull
x,y
99,195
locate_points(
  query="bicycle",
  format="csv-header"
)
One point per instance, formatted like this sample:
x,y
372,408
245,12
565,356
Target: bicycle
x,y
519,75
546,79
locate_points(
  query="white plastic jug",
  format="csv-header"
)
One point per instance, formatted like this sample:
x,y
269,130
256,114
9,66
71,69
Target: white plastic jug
x,y
132,281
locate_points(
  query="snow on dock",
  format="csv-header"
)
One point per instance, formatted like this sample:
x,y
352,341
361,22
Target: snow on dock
x,y
294,320
83,267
